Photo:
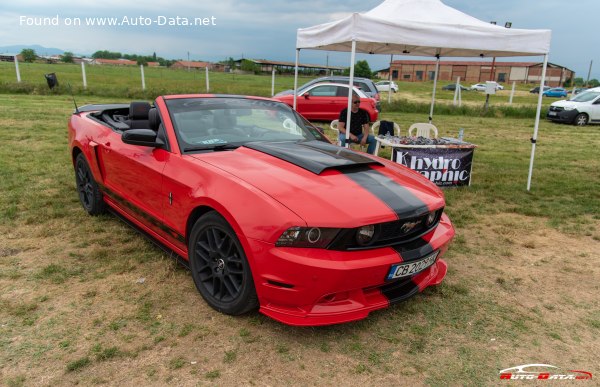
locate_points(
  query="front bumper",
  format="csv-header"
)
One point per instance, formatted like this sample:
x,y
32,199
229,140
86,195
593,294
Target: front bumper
x,y
309,287
567,116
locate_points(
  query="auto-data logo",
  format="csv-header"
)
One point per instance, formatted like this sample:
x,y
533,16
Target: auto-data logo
x,y
542,372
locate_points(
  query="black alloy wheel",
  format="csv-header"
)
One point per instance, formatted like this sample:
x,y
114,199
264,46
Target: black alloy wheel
x,y
219,266
90,195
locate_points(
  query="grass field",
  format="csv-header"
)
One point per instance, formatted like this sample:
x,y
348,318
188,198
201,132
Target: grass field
x,y
88,301
125,81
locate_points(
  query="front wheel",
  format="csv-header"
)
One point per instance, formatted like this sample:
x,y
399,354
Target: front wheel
x,y
90,195
581,119
219,266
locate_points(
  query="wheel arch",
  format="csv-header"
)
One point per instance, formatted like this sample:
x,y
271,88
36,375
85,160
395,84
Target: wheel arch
x,y
193,218
76,151
581,114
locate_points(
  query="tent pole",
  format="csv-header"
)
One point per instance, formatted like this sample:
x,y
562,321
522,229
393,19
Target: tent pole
x,y
537,121
390,79
350,90
296,77
437,68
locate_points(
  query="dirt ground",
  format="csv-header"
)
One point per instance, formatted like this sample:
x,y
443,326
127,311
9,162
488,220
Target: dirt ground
x,y
138,319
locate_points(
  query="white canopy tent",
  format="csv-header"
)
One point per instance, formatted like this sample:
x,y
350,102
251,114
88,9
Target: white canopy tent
x,y
424,28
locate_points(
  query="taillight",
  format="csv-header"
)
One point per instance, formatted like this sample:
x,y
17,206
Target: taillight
x,y
377,97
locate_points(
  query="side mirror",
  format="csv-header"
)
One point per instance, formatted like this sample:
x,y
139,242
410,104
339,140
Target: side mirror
x,y
306,95
143,137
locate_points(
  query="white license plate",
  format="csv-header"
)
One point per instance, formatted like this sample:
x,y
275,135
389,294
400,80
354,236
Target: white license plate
x,y
551,113
411,268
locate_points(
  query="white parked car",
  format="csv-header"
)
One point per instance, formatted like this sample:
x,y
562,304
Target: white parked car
x,y
481,86
582,109
386,85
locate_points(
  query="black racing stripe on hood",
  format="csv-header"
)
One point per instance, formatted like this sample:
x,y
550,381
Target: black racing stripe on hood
x,y
405,288
403,202
314,156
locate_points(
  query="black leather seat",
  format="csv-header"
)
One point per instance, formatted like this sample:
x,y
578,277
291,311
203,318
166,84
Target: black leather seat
x,y
138,115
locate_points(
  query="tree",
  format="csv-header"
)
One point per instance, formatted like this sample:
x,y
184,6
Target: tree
x,y
593,83
105,54
361,69
578,81
67,57
249,66
28,55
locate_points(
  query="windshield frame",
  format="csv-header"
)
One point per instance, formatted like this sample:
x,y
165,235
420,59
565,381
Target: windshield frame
x,y
234,107
588,96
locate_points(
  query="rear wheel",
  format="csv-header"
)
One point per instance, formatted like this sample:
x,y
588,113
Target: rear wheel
x,y
581,119
90,195
219,266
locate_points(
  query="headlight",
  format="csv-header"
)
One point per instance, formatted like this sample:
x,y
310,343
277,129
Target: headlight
x,y
365,234
314,237
567,108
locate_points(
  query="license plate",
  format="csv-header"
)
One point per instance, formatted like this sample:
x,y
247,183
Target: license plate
x,y
551,113
411,268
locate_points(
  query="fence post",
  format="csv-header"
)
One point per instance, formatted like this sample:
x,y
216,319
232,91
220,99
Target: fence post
x,y
83,75
273,82
17,69
512,92
143,79
457,93
207,80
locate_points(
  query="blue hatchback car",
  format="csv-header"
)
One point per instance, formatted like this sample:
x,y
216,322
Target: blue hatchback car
x,y
555,92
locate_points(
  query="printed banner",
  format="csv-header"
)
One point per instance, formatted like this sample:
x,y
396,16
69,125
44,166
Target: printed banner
x,y
446,167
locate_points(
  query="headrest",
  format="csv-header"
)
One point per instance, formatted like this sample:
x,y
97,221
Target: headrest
x,y
139,110
153,119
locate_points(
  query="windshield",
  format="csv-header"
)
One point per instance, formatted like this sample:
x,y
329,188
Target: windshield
x,y
586,96
226,122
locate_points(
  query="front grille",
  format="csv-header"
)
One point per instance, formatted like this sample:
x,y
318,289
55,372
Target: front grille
x,y
388,233
401,228
556,109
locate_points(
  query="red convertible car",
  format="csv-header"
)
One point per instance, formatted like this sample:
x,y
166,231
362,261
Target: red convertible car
x,y
325,101
265,211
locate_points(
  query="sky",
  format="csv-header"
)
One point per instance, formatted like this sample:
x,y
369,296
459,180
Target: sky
x,y
266,29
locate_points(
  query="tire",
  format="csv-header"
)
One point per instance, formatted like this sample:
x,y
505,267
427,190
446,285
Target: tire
x,y
219,266
89,192
581,119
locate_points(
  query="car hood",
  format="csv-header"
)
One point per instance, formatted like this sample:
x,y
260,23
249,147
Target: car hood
x,y
285,92
329,186
564,103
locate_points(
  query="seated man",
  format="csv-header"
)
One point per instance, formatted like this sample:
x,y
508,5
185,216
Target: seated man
x,y
359,126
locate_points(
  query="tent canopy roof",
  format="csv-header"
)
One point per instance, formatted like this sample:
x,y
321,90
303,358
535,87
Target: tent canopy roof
x,y
422,28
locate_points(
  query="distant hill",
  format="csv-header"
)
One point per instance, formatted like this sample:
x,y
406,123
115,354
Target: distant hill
x,y
40,50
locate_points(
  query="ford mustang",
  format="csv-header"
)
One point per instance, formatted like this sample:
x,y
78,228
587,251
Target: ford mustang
x,y
262,208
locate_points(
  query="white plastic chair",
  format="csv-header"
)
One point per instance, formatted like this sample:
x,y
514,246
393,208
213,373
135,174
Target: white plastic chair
x,y
375,128
334,126
423,130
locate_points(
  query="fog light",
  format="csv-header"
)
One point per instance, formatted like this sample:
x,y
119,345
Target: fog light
x,y
365,234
